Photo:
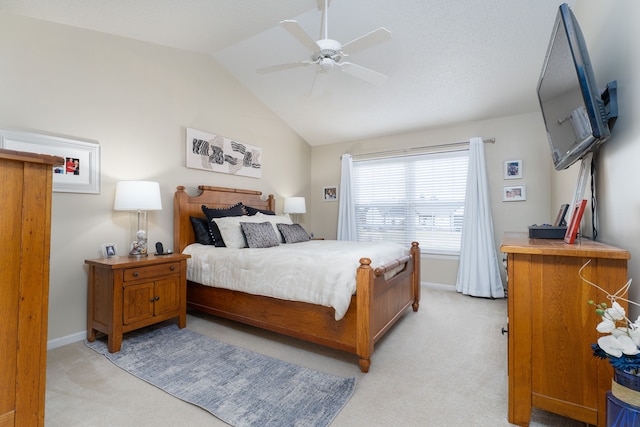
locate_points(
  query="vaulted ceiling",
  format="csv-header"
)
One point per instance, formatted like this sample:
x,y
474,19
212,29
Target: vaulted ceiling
x,y
446,62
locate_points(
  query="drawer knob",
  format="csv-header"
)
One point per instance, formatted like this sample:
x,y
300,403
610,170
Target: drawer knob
x,y
135,274
173,267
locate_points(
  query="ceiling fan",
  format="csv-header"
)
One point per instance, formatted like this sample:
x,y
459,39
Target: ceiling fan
x,y
328,54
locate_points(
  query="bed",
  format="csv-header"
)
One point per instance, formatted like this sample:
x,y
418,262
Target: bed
x,y
376,305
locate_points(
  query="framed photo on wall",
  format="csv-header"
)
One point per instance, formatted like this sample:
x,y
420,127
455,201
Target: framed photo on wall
x,y
513,169
330,194
80,170
514,193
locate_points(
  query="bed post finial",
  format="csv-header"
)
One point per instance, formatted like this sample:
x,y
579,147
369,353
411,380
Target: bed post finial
x,y
271,202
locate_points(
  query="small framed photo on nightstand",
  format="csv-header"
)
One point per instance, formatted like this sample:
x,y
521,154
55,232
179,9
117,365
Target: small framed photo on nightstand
x,y
109,250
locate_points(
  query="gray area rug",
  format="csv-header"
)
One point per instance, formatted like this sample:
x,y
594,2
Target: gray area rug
x,y
240,387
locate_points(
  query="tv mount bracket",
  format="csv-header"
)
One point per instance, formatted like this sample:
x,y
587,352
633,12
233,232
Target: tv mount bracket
x,y
610,99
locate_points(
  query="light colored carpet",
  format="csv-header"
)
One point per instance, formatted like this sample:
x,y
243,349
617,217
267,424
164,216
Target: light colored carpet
x,y
444,366
241,387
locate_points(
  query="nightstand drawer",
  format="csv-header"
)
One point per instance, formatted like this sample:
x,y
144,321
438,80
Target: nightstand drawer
x,y
151,271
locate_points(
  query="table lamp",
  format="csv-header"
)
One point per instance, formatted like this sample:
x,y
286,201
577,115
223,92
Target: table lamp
x,y
295,206
138,197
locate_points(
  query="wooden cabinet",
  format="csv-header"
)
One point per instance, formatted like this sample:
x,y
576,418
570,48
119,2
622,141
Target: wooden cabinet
x,y
25,225
552,327
129,293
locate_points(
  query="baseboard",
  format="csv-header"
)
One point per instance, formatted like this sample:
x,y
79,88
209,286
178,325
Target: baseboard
x,y
68,339
438,286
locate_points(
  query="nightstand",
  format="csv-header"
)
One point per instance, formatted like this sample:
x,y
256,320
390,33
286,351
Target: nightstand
x,y
125,294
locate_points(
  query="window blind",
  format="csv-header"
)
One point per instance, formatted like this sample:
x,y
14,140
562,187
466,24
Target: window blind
x,y
412,198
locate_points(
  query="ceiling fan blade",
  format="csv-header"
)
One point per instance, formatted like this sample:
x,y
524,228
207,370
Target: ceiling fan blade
x,y
283,67
363,73
300,34
370,39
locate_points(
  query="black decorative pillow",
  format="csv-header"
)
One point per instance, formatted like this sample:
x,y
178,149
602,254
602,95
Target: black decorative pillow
x,y
201,230
259,234
253,211
293,233
212,213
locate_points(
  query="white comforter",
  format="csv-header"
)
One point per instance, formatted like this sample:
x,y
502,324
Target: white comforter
x,y
320,272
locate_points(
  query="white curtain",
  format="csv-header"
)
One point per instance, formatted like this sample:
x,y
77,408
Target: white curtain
x,y
478,271
346,208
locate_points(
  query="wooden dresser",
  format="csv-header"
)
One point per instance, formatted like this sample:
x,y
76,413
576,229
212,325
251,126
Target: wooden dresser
x,y
552,327
26,184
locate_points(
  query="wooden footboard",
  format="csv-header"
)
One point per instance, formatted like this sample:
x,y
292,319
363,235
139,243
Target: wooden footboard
x,y
381,302
376,306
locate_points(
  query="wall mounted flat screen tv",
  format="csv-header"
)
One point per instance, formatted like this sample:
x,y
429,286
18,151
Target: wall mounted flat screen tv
x,y
577,116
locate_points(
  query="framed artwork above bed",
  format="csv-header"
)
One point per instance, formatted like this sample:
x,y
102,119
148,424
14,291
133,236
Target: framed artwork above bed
x,y
216,153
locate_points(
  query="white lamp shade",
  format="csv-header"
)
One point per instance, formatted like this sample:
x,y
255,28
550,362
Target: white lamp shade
x,y
294,205
137,195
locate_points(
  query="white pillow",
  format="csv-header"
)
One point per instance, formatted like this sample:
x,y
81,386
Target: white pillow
x,y
275,219
231,231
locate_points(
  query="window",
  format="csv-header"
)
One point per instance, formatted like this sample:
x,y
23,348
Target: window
x,y
412,198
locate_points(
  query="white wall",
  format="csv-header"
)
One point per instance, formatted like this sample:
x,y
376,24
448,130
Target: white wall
x,y
136,100
519,137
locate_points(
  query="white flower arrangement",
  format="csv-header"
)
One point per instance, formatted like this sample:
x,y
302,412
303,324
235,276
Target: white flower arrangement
x,y
622,345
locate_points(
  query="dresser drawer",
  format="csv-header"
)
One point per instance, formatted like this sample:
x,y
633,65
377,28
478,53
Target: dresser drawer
x,y
151,271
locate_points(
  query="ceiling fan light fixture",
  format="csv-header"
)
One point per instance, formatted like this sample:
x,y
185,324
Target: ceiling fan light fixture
x,y
326,64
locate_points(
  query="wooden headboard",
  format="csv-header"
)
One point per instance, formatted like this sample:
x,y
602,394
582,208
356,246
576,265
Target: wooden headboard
x,y
185,206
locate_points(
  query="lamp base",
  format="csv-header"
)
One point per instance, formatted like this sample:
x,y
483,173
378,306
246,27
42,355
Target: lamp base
x,y
138,255
138,230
